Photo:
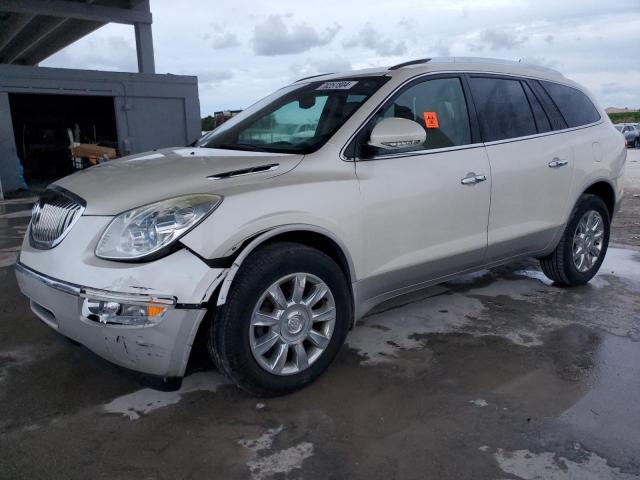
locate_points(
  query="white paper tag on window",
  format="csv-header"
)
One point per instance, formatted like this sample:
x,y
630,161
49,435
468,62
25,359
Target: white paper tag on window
x,y
337,85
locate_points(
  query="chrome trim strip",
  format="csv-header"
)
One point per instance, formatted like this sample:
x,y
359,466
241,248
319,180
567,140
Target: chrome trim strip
x,y
50,282
84,292
423,152
130,298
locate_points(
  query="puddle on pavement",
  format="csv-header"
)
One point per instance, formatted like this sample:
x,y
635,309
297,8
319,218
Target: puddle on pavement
x,y
501,360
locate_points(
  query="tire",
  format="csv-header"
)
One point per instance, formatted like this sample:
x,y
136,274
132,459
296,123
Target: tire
x,y
560,266
636,144
235,342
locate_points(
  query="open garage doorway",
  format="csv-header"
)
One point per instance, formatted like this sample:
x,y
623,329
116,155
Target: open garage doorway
x,y
47,126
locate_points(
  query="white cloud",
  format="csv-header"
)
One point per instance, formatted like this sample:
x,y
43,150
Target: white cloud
x,y
275,37
501,39
370,38
225,40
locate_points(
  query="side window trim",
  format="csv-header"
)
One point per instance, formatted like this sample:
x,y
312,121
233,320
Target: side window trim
x,y
353,145
558,121
532,97
474,122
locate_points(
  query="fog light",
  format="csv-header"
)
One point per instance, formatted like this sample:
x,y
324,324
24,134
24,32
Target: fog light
x,y
126,311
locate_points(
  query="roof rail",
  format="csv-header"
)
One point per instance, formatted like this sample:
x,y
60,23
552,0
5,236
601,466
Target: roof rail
x,y
410,62
313,76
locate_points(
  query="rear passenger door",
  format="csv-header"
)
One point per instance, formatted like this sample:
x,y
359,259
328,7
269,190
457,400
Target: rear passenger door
x,y
531,167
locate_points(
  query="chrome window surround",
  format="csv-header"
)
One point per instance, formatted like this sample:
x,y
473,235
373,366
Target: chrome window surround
x,y
344,158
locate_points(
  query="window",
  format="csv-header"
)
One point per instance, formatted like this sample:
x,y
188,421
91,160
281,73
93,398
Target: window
x,y
293,123
297,119
575,106
442,99
503,108
542,121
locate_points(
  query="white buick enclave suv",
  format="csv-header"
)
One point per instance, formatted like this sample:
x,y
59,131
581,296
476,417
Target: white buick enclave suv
x,y
275,232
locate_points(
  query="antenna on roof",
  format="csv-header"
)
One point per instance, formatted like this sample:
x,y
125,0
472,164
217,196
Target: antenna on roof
x,y
411,62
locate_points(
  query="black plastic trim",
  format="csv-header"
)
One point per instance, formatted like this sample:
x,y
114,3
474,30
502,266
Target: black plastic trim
x,y
189,306
418,61
314,76
220,262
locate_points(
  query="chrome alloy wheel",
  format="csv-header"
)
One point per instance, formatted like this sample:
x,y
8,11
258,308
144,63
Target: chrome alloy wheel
x,y
292,324
588,241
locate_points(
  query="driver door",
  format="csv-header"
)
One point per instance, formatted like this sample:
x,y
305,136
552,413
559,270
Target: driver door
x,y
426,208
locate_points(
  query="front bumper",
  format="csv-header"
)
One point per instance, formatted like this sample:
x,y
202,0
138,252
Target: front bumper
x,y
162,349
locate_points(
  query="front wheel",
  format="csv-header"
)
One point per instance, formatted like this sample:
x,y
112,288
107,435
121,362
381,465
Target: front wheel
x,y
284,321
582,248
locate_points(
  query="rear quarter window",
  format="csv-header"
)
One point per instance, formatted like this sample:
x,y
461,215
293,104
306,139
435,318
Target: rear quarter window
x,y
575,106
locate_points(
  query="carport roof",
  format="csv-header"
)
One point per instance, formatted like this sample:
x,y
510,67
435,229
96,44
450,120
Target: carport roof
x,y
32,30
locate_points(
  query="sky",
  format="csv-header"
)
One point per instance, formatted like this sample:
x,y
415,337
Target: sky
x,y
243,50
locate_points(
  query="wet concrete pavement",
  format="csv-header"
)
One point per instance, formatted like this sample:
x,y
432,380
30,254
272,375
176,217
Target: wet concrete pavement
x,y
496,375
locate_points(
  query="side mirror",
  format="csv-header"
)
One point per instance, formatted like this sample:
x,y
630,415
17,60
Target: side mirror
x,y
394,133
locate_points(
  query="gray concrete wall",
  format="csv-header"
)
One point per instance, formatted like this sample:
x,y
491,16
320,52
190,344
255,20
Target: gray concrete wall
x,y
152,110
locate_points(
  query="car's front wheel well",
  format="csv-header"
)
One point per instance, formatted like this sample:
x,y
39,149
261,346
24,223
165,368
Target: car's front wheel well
x,y
318,241
606,193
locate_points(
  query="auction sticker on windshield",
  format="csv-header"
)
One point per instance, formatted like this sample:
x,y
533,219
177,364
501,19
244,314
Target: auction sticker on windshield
x,y
337,85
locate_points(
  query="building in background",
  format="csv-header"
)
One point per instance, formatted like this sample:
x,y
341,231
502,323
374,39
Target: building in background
x,y
45,111
211,122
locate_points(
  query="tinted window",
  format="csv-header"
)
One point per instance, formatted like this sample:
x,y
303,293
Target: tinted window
x,y
503,108
542,121
439,106
557,120
575,106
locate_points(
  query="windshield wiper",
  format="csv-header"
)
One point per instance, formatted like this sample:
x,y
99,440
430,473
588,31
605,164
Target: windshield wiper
x,y
240,146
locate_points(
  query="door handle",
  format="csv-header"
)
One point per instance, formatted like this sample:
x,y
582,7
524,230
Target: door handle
x,y
473,179
557,162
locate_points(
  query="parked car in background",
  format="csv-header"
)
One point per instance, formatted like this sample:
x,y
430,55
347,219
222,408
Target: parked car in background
x,y
631,133
269,243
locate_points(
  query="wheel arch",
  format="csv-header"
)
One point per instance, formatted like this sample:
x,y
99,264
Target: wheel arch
x,y
310,235
605,191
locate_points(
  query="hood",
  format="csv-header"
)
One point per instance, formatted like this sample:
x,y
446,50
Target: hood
x,y
129,182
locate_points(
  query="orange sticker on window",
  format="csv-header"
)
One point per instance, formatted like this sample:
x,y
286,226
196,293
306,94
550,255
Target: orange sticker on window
x,y
430,119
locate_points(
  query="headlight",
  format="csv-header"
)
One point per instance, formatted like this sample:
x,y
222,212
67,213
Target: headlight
x,y
144,231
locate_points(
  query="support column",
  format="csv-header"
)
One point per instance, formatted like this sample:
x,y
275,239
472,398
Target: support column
x,y
9,167
144,48
144,42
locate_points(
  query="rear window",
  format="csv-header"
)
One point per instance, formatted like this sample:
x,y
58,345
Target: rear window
x,y
503,108
575,106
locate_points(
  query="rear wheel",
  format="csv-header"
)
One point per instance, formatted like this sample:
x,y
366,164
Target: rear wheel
x,y
284,321
582,248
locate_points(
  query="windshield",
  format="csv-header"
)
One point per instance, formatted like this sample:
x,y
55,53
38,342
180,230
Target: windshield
x,y
295,119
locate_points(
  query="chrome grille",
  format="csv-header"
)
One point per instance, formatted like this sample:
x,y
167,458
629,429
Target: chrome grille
x,y
52,217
